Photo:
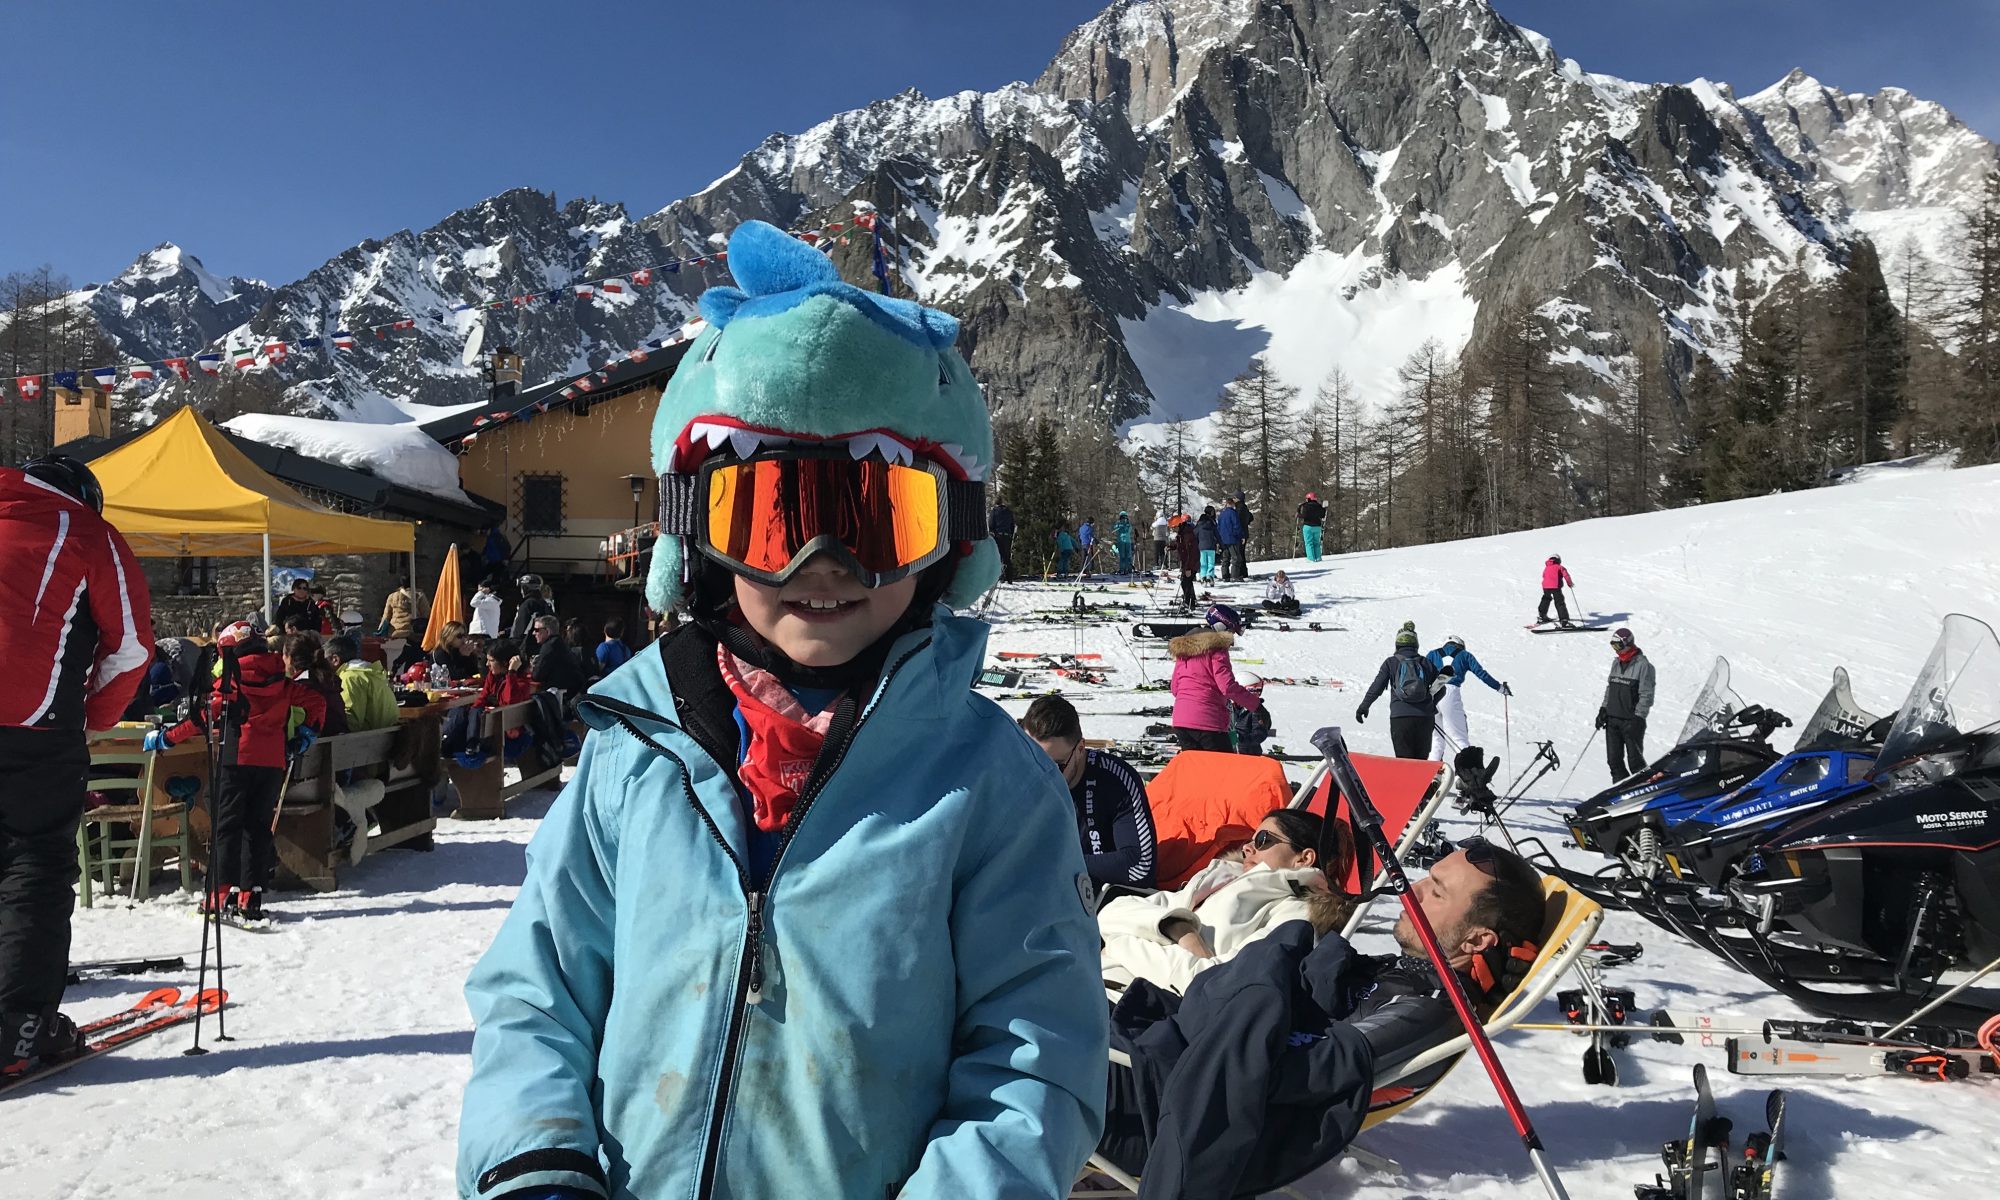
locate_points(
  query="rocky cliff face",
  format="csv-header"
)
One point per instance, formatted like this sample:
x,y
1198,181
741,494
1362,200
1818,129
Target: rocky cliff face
x,y
1190,182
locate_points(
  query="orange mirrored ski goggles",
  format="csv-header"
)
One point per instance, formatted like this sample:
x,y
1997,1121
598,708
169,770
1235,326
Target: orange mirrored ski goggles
x,y
765,516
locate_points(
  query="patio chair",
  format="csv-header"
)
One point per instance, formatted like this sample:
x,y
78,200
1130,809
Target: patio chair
x,y
100,848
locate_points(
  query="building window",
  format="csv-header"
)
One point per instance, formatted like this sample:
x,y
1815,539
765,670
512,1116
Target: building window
x,y
541,504
194,576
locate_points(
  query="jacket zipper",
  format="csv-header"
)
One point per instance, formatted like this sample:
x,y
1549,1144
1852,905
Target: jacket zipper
x,y
750,964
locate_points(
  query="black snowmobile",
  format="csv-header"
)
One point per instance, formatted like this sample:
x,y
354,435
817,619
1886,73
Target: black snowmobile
x,y
1723,744
1905,875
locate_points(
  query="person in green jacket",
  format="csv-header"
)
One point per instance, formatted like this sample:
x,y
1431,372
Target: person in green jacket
x,y
364,688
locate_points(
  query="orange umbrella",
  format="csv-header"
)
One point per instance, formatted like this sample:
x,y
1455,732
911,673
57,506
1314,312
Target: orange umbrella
x,y
447,601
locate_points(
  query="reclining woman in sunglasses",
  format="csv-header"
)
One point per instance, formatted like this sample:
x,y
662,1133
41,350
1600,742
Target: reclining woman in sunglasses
x,y
1267,1066
1168,938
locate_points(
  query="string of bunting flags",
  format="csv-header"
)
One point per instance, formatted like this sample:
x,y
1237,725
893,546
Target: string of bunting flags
x,y
269,351
577,388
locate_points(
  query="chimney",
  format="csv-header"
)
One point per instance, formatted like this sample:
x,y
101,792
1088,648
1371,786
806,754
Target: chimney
x,y
505,372
82,414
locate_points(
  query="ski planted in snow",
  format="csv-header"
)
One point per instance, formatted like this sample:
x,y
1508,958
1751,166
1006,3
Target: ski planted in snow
x,y
1686,1159
156,1012
1755,1178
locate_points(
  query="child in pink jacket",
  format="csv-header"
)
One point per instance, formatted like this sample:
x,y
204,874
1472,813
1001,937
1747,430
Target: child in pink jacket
x,y
1204,685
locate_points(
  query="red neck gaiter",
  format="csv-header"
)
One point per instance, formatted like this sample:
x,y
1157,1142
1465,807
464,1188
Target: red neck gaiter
x,y
1627,654
784,741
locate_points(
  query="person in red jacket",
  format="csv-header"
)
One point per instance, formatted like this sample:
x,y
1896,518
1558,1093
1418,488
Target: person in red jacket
x,y
507,682
248,708
1554,576
76,637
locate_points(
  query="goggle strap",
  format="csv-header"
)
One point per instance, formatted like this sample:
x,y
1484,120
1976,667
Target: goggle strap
x,y
965,507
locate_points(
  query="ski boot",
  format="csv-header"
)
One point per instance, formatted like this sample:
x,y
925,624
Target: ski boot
x,y
222,901
30,1039
252,908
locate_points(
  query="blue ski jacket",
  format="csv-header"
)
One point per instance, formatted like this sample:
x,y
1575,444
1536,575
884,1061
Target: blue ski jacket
x,y
1462,665
907,1005
1229,526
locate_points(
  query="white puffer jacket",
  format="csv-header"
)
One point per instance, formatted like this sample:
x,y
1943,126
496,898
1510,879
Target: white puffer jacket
x,y
1232,905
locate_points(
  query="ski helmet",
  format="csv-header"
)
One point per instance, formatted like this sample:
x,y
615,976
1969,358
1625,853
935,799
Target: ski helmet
x,y
1452,639
236,635
1556,559
1221,616
68,476
1251,680
1621,637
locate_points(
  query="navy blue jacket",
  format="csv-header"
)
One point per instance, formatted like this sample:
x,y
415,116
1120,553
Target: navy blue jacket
x,y
1001,522
1205,534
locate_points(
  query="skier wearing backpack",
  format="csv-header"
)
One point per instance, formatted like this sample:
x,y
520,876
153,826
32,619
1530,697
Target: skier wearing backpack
x,y
1456,664
1628,697
1312,525
1554,576
1408,678
1204,685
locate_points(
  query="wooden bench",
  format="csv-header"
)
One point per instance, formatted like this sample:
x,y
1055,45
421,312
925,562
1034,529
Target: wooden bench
x,y
483,791
305,838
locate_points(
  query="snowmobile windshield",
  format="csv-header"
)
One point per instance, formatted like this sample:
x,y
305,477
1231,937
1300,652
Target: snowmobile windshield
x,y
1713,705
1957,693
1838,718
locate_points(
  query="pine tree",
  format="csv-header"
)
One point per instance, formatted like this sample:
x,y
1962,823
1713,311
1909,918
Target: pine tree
x,y
1861,362
1031,482
1169,468
1975,322
1256,434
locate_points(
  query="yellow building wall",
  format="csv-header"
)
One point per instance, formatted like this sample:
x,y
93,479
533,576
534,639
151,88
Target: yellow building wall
x,y
593,453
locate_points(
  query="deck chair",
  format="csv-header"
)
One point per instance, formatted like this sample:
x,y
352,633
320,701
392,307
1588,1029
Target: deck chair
x,y
1569,926
1206,802
100,849
1408,791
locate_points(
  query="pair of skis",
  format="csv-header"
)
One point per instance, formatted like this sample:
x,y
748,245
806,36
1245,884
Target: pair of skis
x,y
156,1012
1689,1160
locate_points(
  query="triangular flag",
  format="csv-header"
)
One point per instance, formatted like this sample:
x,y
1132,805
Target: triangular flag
x,y
642,276
178,366
523,301
30,385
210,364
637,356
141,371
106,377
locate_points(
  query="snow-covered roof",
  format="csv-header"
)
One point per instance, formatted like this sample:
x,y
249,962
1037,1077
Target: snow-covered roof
x,y
399,453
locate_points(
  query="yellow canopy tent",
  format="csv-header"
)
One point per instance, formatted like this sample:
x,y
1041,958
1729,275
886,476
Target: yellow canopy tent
x,y
181,489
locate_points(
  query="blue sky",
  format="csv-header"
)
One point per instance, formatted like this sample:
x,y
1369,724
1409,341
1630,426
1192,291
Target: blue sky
x,y
266,138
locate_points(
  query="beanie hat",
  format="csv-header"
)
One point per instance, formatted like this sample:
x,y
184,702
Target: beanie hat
x,y
796,353
1407,635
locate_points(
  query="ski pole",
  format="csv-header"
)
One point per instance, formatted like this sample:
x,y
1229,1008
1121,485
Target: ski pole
x,y
208,897
1577,602
1507,724
1978,975
1364,814
1579,762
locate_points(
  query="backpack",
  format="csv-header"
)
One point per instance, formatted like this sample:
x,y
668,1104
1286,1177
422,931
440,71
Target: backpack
x,y
1411,686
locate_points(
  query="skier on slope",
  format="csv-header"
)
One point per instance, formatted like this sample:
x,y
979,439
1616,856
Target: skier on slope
x,y
1456,664
1121,540
1188,554
1412,698
76,634
1203,684
1312,525
1554,576
1628,698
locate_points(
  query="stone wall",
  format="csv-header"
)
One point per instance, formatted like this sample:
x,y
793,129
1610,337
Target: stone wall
x,y
357,581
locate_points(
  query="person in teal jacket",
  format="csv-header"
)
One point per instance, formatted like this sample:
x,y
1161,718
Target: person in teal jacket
x,y
810,918
1121,537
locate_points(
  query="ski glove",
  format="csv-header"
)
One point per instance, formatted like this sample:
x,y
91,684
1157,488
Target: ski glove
x,y
1361,715
1603,718
156,740
303,740
1506,690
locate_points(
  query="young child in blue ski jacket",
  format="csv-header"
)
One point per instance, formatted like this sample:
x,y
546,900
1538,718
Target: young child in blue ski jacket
x,y
811,917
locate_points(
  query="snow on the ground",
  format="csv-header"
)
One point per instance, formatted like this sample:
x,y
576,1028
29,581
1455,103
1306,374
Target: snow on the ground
x,y
401,453
351,1034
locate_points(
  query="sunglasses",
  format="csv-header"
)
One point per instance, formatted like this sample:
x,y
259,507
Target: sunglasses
x,y
1264,839
1480,853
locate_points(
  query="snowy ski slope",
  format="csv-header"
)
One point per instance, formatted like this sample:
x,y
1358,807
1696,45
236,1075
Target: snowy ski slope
x,y
351,1036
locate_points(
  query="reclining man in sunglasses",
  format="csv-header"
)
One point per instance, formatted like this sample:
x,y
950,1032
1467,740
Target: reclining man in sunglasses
x,y
1265,1068
811,917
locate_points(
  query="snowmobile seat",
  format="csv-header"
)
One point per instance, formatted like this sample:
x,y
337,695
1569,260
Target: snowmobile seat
x,y
1405,1074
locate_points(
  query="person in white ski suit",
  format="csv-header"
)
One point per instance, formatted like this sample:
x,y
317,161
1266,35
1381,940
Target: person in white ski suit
x,y
1456,664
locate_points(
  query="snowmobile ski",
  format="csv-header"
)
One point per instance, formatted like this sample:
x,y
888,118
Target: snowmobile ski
x,y
156,1012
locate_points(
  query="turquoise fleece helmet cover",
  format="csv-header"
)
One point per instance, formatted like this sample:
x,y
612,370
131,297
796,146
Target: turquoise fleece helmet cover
x,y
794,353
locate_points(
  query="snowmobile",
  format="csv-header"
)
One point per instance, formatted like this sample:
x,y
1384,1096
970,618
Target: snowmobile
x,y
1723,745
1833,759
1907,873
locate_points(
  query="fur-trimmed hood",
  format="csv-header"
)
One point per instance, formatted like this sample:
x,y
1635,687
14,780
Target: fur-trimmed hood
x,y
1201,641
